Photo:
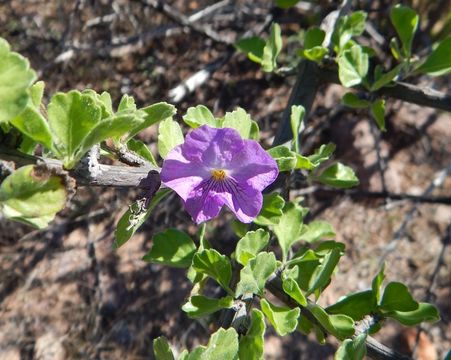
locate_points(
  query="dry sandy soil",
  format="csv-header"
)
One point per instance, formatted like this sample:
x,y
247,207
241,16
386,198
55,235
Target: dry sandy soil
x,y
66,294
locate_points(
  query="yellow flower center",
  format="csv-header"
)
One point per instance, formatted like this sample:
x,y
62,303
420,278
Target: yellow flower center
x,y
218,174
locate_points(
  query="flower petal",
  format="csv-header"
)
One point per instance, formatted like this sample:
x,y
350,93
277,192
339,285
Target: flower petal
x,y
244,201
215,148
254,166
204,203
180,174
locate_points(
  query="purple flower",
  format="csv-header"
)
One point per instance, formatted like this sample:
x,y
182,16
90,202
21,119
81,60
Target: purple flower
x,y
214,167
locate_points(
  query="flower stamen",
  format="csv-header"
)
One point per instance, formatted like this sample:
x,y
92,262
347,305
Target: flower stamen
x,y
218,174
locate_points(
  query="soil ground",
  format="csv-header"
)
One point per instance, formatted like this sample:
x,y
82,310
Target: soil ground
x,y
65,293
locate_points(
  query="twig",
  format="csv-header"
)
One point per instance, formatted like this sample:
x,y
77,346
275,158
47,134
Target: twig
x,y
178,17
375,350
178,93
308,80
445,200
108,175
402,91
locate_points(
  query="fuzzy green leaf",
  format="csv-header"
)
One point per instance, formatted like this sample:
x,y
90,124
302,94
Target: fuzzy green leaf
x,y
198,116
397,298
339,176
212,263
252,344
289,227
169,136
405,20
132,219
15,79
254,275
283,319
199,305
161,349
439,61
272,49
271,210
173,248
353,101
250,245
352,66
424,312
241,121
32,195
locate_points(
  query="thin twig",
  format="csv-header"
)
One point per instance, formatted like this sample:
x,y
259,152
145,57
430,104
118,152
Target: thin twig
x,y
375,350
402,91
183,20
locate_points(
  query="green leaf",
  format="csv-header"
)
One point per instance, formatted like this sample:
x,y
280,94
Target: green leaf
x,y
161,349
353,101
296,118
36,93
317,230
132,219
322,154
395,50
112,127
283,319
339,176
252,47
15,79
383,79
71,118
439,61
340,326
285,158
200,115
127,103
31,123
322,274
289,227
252,344
397,298
424,312
241,121
271,210
32,195
291,287
316,53
169,136
153,115
173,248
356,305
352,66
142,150
254,275
378,112
198,305
352,349
250,245
215,265
285,4
314,37
348,27
377,283
223,344
405,20
272,49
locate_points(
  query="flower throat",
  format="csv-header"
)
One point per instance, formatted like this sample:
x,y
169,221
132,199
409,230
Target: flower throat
x,y
218,174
